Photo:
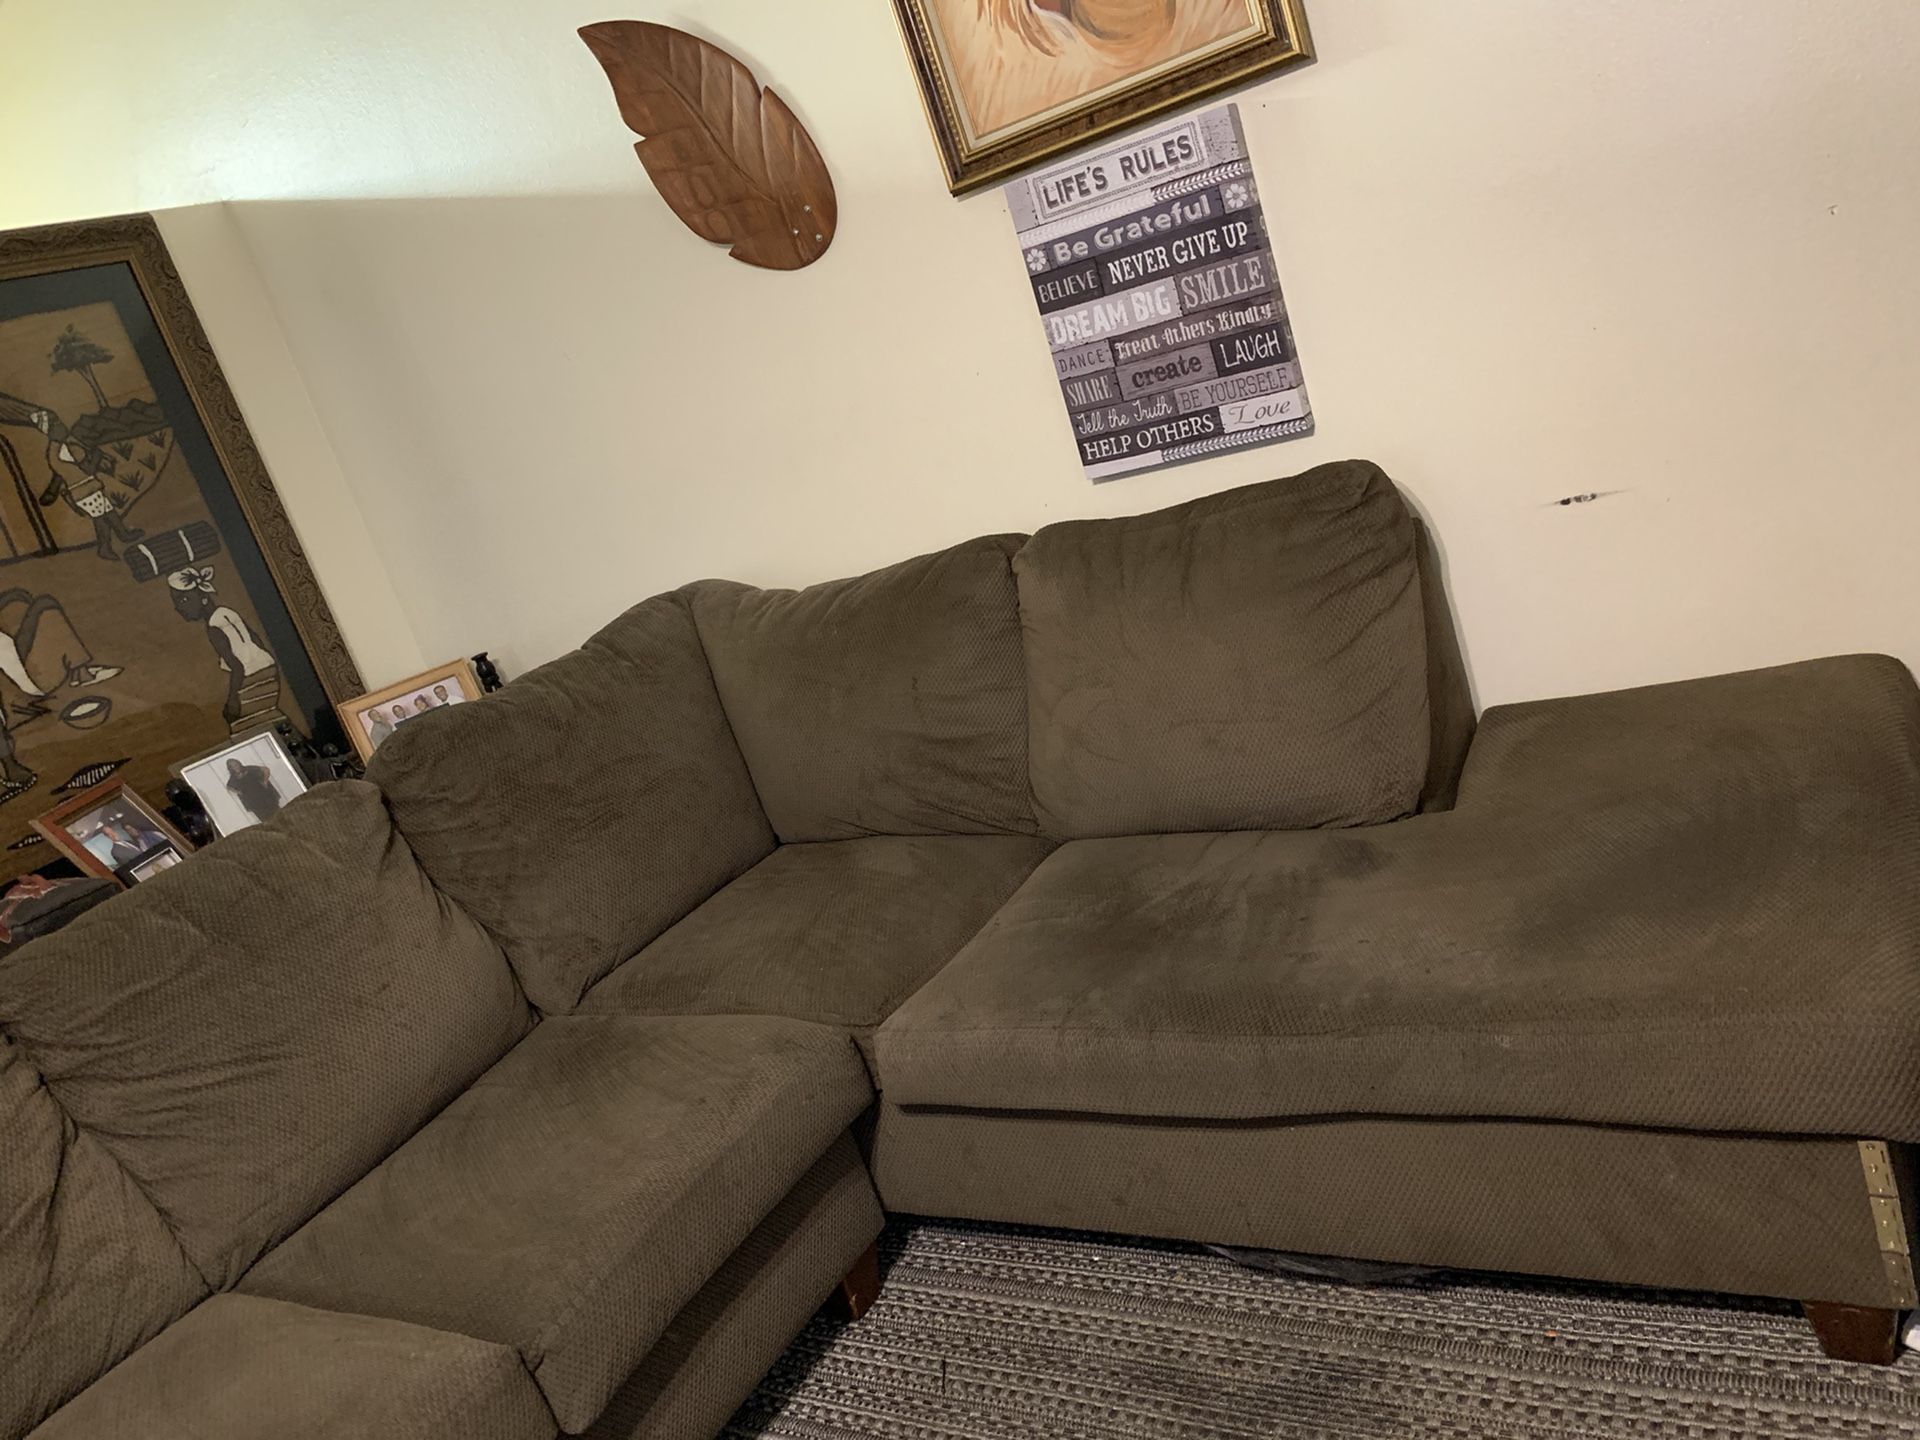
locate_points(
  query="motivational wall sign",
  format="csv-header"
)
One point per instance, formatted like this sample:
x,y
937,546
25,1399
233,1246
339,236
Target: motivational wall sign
x,y
1150,265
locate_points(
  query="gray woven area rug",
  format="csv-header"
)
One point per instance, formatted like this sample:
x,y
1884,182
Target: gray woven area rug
x,y
984,1332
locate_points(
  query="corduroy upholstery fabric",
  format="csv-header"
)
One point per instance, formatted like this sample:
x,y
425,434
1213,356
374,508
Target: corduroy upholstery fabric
x,y
717,1348
582,1191
892,703
250,1033
1740,955
241,1368
1255,660
839,931
87,1269
1752,1215
587,806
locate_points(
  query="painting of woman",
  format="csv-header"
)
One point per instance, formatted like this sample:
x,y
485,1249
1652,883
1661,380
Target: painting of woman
x,y
1024,58
1009,81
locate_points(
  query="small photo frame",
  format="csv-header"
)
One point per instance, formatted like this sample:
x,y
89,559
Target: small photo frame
x,y
370,719
244,781
111,832
153,865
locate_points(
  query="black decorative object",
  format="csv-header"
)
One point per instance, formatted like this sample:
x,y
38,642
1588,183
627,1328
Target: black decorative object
x,y
488,673
322,760
186,814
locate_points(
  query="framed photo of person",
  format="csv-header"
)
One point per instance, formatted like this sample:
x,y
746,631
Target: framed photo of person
x,y
370,719
245,782
154,599
111,832
1008,83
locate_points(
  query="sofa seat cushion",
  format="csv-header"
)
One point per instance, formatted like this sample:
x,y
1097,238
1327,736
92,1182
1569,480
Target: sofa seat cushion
x,y
582,1191
1254,660
1753,966
243,1368
893,703
839,932
249,1033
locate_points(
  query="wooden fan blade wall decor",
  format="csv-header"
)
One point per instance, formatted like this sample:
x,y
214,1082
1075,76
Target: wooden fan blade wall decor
x,y
730,158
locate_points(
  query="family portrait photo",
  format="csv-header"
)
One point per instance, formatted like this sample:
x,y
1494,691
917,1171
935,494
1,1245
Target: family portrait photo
x,y
371,719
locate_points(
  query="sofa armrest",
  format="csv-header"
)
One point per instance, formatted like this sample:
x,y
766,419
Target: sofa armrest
x,y
1816,732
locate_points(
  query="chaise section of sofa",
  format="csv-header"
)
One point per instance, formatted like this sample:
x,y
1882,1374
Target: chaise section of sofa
x,y
1661,1045
1670,936
1748,961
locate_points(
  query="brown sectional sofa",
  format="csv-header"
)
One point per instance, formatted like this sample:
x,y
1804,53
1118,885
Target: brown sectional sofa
x,y
1145,875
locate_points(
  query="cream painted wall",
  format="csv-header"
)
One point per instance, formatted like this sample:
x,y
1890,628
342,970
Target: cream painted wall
x,y
1532,249
106,149
220,274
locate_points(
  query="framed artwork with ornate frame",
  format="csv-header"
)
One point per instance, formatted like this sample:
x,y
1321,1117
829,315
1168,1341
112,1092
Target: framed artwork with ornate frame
x,y
1008,83
154,600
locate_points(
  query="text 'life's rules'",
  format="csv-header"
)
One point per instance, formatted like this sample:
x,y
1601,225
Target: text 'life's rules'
x,y
1149,262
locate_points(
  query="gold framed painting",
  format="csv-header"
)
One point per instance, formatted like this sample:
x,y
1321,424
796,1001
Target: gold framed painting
x,y
1008,83
154,599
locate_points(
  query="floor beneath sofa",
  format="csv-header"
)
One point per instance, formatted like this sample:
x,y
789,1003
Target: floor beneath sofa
x,y
983,1332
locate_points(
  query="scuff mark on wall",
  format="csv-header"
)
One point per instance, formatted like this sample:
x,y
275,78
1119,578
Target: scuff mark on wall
x,y
1585,498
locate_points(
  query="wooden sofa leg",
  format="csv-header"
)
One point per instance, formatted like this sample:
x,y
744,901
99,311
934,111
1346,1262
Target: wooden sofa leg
x,y
1855,1332
861,1286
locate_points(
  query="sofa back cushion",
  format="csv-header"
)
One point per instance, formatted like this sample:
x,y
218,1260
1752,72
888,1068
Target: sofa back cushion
x,y
88,1271
586,807
248,1034
889,704
1255,660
